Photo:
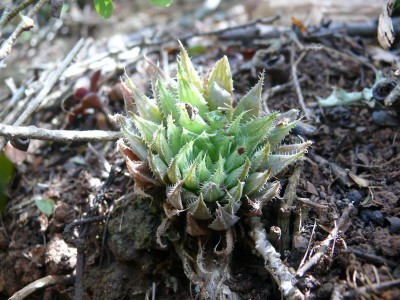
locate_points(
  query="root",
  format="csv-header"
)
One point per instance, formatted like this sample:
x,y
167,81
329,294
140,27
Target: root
x,y
229,244
208,270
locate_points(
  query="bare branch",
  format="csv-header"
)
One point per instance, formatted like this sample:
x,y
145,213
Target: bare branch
x,y
372,288
42,283
35,103
63,136
324,246
12,13
295,79
22,26
274,265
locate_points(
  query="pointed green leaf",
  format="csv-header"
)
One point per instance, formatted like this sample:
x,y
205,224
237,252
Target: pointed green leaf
x,y
221,75
199,209
254,131
146,128
158,167
219,174
278,160
251,102
260,157
219,98
189,69
188,93
269,191
192,182
174,135
136,144
238,174
232,206
146,107
234,127
256,181
211,191
174,174
203,172
167,102
190,119
216,120
185,157
161,146
236,192
223,219
235,159
174,195
278,132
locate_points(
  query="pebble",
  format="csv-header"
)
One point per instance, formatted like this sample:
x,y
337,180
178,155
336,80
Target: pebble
x,y
372,216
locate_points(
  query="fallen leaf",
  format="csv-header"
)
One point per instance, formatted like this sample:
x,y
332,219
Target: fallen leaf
x,y
358,180
385,26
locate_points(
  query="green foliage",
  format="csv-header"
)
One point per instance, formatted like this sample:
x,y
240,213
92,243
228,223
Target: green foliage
x,y
213,157
45,205
6,173
162,3
104,8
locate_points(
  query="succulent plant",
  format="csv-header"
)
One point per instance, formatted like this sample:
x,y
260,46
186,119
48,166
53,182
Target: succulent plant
x,y
214,159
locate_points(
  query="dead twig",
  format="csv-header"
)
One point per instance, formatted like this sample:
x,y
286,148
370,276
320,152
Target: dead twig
x,y
268,93
62,136
268,20
370,288
344,55
22,26
293,65
35,103
42,283
285,211
274,265
375,259
324,246
12,13
309,244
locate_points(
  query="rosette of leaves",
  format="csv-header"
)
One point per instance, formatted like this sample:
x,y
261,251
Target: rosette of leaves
x,y
218,161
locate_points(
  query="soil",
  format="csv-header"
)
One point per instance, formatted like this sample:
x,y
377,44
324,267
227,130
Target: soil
x,y
354,160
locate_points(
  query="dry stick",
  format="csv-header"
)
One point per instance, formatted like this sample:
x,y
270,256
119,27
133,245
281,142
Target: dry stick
x,y
62,136
373,287
12,13
309,243
285,211
325,244
267,20
344,55
293,65
369,257
41,283
22,26
274,265
268,93
35,103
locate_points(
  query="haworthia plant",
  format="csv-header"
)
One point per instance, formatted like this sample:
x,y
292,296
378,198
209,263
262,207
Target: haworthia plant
x,y
213,157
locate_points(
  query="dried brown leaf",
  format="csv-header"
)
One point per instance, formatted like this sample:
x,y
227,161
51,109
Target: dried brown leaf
x,y
385,27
